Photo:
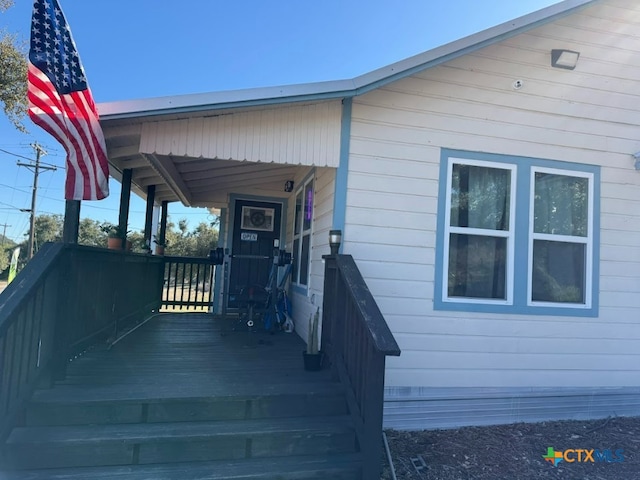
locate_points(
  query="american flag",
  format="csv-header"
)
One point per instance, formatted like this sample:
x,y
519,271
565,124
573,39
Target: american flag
x,y
60,102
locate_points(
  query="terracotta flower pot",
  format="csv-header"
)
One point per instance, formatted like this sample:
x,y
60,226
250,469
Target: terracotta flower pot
x,y
114,243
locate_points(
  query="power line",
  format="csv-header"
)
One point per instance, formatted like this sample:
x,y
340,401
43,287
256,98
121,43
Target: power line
x,y
32,160
15,155
22,190
10,206
17,189
52,148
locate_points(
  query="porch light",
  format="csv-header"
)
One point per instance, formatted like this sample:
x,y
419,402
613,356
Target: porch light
x,y
335,239
567,59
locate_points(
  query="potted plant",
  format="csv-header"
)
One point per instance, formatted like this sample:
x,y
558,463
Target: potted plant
x,y
312,355
115,236
160,244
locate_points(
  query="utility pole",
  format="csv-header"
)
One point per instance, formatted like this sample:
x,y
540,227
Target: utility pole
x,y
36,171
4,233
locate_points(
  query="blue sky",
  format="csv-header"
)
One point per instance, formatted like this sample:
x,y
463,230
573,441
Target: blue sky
x,y
149,48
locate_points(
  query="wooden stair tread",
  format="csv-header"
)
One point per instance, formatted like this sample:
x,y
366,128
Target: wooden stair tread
x,y
71,394
336,466
158,432
179,400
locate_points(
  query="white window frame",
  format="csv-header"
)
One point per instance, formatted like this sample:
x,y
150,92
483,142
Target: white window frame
x,y
508,234
303,233
520,275
588,240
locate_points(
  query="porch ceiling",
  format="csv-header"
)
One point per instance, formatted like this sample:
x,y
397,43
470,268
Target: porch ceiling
x,y
193,181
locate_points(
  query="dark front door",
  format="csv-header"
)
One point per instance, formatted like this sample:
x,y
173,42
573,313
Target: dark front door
x,y
256,226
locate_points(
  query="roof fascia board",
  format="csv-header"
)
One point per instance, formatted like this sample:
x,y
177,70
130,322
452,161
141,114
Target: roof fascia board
x,y
341,88
226,99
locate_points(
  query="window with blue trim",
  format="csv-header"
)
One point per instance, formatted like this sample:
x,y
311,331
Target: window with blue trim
x,y
517,234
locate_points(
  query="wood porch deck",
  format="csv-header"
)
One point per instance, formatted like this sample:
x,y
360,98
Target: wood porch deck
x,y
186,397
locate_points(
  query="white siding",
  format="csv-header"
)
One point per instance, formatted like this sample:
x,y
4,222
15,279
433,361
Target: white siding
x,y
294,135
409,408
589,115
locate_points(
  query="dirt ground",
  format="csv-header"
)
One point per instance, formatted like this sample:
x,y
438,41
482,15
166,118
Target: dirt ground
x,y
515,451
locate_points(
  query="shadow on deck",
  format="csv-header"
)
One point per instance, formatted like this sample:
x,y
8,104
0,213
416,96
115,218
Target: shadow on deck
x,y
186,396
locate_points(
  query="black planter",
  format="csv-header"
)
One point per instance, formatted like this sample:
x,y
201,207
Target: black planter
x,y
312,361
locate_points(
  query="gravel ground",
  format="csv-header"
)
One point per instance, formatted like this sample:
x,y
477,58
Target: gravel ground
x,y
515,452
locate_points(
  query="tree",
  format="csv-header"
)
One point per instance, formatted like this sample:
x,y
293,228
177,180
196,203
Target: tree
x,y
137,242
90,233
183,242
48,228
205,238
195,243
13,75
5,255
6,248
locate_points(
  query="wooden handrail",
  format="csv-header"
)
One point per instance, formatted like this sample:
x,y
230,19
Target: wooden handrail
x,y
368,309
356,339
23,286
67,298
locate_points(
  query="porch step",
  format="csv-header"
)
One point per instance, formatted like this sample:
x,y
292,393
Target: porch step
x,y
130,444
71,405
313,467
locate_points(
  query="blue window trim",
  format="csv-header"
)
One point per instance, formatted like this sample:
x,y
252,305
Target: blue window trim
x,y
521,267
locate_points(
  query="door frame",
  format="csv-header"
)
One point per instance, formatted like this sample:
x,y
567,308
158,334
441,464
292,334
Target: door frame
x,y
233,198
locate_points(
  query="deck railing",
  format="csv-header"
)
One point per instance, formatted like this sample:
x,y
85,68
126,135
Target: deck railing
x,y
188,283
356,340
67,298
